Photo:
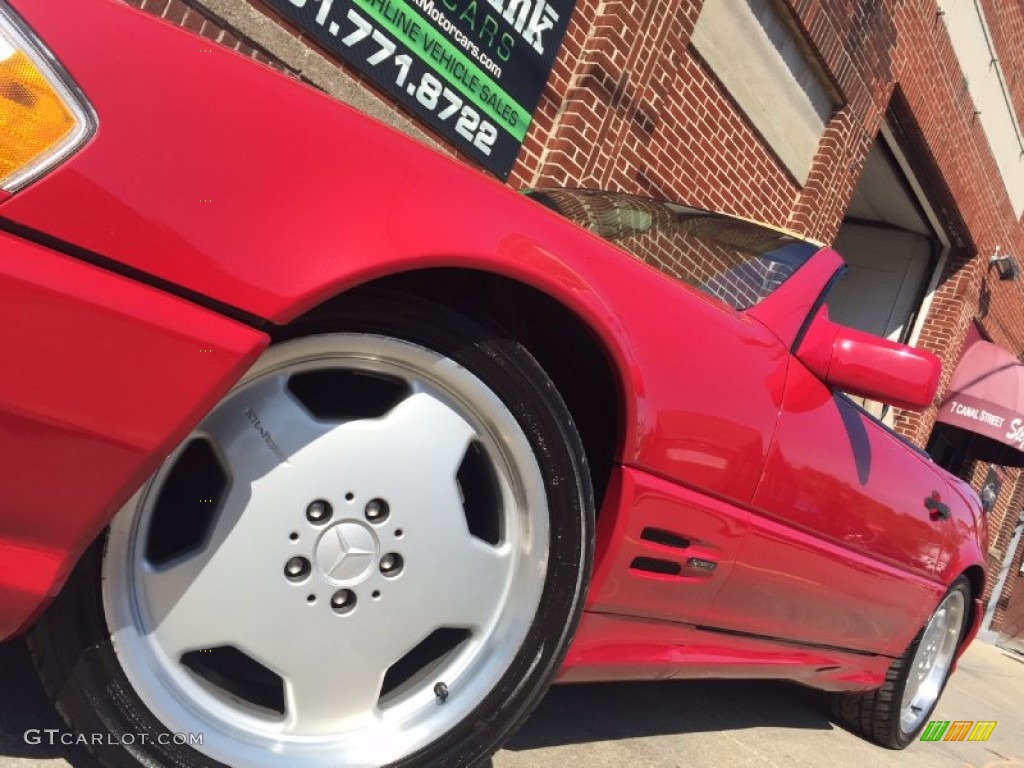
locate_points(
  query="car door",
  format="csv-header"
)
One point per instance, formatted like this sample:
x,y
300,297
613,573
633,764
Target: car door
x,y
842,549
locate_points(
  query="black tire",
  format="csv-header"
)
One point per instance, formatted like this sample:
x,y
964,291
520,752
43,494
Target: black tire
x,y
79,663
876,715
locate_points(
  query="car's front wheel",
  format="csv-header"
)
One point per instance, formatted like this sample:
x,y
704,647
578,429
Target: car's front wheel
x,y
372,552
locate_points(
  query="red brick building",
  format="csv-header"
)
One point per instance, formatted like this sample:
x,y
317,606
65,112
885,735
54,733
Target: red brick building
x,y
890,128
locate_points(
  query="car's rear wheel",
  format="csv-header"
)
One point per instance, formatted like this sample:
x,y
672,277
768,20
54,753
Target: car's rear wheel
x,y
894,714
373,551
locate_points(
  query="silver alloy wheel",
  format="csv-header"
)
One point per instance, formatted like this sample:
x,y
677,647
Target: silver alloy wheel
x,y
932,661
337,549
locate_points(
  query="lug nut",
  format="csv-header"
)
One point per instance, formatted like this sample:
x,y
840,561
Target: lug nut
x,y
377,511
343,601
319,512
297,568
391,564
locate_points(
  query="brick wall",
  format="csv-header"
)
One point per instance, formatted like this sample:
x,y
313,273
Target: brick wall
x,y
194,17
1014,582
1003,517
1006,25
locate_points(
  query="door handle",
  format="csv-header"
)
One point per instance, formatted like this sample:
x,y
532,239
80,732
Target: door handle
x,y
936,509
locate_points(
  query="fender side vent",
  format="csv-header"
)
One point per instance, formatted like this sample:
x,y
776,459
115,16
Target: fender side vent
x,y
656,565
665,538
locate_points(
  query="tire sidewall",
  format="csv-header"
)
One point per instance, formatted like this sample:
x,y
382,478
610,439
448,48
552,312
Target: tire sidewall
x,y
903,738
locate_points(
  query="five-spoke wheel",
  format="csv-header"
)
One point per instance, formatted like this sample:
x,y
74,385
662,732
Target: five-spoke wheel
x,y
367,554
896,712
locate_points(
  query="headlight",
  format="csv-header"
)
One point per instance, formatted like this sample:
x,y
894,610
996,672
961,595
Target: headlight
x,y
42,117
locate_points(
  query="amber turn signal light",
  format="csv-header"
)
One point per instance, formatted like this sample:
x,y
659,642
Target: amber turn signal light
x,y
42,120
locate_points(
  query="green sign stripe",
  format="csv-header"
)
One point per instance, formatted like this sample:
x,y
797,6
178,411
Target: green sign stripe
x,y
432,36
934,730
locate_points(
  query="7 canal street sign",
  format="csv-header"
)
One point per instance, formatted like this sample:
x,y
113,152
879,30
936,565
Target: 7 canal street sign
x,y
472,69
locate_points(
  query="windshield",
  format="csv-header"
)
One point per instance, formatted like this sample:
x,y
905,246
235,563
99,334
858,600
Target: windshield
x,y
738,262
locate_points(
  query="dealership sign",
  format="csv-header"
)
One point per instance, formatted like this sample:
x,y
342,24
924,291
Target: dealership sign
x,y
473,69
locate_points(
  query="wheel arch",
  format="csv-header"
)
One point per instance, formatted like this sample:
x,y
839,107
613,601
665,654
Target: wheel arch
x,y
494,385
975,576
584,367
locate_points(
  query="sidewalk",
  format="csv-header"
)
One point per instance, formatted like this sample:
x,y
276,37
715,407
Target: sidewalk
x,y
697,724
705,724
1013,645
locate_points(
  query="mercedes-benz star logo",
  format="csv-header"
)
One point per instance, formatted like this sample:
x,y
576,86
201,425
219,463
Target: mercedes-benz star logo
x,y
346,552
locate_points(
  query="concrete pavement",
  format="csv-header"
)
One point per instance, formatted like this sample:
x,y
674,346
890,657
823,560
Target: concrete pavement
x,y
696,724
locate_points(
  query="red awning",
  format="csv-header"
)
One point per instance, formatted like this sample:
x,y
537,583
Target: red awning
x,y
986,397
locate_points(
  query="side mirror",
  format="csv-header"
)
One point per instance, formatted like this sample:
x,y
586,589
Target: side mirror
x,y
861,364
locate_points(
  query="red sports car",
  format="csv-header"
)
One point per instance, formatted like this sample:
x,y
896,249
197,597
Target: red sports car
x,y
325,450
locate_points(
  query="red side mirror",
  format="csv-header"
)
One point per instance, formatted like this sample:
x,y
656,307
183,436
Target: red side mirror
x,y
861,364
